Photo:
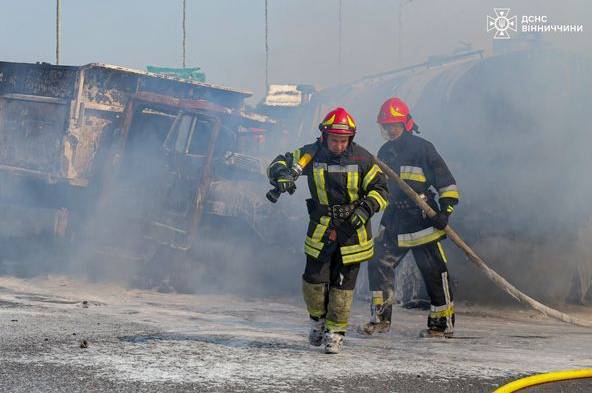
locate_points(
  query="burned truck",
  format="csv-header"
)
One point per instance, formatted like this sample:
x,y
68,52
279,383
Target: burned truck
x,y
130,171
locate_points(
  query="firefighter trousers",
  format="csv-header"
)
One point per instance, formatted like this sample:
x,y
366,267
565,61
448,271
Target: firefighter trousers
x,y
431,261
328,290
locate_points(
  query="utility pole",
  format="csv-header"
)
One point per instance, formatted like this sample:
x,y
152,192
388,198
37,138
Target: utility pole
x,y
184,33
399,33
58,29
266,48
339,52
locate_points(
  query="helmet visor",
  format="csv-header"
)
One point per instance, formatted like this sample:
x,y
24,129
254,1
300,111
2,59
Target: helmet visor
x,y
391,131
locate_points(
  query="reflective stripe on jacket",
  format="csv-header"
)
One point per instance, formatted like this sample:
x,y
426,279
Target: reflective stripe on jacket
x,y
418,163
340,180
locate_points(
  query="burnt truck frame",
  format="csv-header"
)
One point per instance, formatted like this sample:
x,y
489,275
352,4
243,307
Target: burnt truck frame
x,y
70,162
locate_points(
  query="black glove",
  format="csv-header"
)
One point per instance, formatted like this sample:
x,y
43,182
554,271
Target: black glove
x,y
286,184
447,205
440,220
279,169
360,215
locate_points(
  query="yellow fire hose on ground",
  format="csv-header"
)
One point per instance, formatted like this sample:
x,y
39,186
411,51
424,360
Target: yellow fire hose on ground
x,y
477,261
539,379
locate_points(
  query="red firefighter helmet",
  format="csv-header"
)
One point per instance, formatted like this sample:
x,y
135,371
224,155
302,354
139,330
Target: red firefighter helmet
x,y
395,110
338,122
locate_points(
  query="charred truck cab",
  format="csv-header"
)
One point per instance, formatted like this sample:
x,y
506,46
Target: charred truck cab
x,y
121,162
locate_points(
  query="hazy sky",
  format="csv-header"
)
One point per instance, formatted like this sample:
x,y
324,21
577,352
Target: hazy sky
x,y
226,37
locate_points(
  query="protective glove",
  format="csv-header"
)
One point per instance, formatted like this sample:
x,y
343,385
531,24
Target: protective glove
x,y
285,183
360,215
440,220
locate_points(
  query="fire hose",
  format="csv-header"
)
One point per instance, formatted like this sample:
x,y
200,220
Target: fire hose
x,y
539,379
477,261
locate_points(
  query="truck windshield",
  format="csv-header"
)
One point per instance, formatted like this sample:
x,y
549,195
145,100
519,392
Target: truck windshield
x,y
200,139
185,125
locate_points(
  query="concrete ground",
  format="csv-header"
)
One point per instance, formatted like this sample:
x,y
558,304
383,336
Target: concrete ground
x,y
142,341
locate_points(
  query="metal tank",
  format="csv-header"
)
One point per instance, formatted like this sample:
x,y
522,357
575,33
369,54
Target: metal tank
x,y
514,130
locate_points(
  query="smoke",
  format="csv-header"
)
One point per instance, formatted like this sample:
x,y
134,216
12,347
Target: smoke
x,y
109,190
512,128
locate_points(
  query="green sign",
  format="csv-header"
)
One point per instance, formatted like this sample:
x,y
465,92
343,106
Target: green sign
x,y
194,73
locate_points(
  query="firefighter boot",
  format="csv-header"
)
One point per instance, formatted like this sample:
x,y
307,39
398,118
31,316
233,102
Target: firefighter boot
x,y
380,316
333,342
338,309
314,297
315,335
440,324
377,324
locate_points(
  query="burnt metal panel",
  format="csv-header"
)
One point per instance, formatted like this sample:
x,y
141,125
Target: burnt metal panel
x,y
189,91
38,79
31,134
169,77
88,139
108,87
189,104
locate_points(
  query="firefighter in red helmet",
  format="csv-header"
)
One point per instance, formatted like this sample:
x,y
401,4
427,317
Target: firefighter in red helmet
x,y
406,227
347,187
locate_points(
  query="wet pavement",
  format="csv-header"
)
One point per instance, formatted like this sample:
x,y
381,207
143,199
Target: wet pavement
x,y
142,341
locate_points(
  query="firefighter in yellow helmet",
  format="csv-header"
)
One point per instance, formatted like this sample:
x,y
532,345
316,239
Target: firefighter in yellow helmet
x,y
347,187
406,227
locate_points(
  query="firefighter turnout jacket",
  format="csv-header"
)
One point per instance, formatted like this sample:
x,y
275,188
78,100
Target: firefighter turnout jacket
x,y
338,184
418,163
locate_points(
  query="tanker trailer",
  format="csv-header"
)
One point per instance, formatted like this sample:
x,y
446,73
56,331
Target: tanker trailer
x,y
513,130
